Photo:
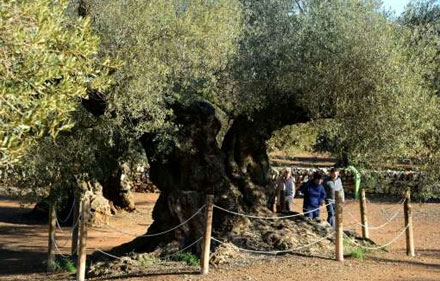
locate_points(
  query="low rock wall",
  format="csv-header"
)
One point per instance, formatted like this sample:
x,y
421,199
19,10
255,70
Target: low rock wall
x,y
387,182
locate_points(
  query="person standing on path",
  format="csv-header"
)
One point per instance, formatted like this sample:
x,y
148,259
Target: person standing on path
x,y
285,191
333,184
314,196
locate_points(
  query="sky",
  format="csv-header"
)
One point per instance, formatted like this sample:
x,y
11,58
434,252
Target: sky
x,y
396,5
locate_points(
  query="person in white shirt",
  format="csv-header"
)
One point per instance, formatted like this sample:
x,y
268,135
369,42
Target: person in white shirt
x,y
285,191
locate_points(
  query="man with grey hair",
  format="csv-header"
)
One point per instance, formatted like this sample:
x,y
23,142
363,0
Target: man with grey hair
x,y
332,185
285,191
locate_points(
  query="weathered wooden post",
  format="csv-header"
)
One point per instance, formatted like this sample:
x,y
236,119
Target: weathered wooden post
x,y
339,234
82,251
363,203
409,224
52,227
207,237
76,215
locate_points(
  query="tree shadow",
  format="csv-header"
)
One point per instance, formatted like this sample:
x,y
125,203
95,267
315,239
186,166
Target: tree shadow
x,y
147,274
313,256
408,262
17,215
435,253
21,262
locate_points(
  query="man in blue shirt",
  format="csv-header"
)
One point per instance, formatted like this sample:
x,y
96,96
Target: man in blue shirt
x,y
314,196
332,185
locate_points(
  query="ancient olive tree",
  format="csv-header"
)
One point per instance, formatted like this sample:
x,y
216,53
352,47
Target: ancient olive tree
x,y
205,83
47,63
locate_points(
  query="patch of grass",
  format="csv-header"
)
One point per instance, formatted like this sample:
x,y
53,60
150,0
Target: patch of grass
x,y
64,265
358,253
187,257
352,250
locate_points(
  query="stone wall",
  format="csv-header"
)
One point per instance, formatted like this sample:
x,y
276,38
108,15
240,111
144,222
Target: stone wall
x,y
377,182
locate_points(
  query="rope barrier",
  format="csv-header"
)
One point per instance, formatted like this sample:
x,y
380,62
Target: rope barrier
x,y
165,257
277,251
59,225
57,249
386,211
107,254
62,231
70,212
268,218
382,246
374,227
156,234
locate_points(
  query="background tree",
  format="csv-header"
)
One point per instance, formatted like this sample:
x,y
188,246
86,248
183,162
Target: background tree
x,y
422,17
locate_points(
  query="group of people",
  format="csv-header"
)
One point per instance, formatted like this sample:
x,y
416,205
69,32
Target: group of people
x,y
317,191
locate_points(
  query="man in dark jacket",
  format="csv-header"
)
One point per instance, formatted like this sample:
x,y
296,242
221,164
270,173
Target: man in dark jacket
x,y
332,185
314,196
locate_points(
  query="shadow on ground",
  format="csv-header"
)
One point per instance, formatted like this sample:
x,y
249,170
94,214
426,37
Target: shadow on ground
x,y
21,262
408,262
146,274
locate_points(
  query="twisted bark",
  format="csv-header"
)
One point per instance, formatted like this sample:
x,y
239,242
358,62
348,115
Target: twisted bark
x,y
236,172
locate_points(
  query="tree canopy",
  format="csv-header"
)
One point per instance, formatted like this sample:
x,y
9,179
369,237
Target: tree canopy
x,y
373,76
47,63
174,51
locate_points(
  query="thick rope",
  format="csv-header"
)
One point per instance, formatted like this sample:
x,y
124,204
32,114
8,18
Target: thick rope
x,y
165,257
389,220
107,254
388,210
268,218
382,246
277,251
61,229
156,234
57,249
70,212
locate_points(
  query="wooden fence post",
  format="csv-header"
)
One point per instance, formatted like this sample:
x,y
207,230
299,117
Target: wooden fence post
x,y
207,237
363,203
82,251
409,224
339,234
75,228
52,228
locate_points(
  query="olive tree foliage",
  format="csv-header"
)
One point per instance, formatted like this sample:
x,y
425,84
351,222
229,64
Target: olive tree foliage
x,y
47,63
340,59
374,82
423,18
173,51
90,152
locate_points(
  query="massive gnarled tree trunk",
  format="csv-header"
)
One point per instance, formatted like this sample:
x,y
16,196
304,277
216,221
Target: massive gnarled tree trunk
x,y
236,172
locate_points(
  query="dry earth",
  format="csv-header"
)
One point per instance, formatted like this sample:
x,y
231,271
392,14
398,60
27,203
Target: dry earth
x,y
23,244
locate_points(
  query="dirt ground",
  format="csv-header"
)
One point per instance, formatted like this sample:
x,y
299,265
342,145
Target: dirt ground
x,y
23,246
